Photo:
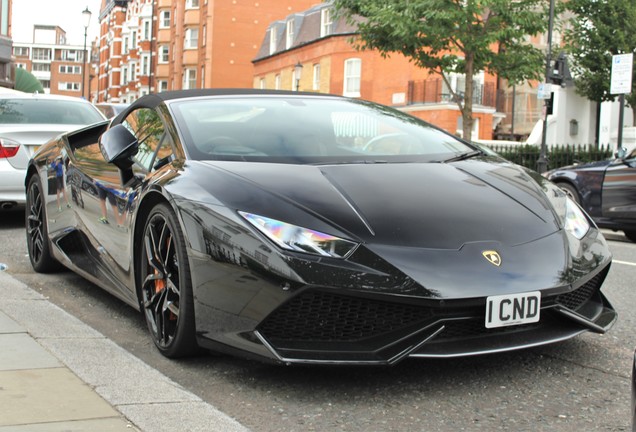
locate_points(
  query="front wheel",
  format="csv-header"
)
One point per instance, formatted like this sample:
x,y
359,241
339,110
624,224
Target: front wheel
x,y
570,191
37,234
166,286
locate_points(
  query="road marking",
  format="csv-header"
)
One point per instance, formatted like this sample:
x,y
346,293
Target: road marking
x,y
625,262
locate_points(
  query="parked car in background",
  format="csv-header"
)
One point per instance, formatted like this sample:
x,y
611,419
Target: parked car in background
x,y
606,190
27,121
110,110
307,228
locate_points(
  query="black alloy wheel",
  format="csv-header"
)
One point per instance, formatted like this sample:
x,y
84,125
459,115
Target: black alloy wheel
x,y
36,230
166,292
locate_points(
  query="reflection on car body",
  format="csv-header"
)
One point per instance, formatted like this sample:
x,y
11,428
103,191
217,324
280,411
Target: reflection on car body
x,y
304,228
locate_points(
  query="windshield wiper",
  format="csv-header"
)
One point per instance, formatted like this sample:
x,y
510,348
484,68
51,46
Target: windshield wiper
x,y
464,156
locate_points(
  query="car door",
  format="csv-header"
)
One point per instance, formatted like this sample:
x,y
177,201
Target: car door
x,y
619,189
108,206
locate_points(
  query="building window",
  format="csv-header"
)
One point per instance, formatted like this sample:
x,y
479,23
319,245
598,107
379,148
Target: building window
x,y
146,30
20,51
145,65
202,77
163,86
261,84
41,67
289,34
273,40
189,79
46,84
326,22
66,69
164,54
192,4
20,65
41,54
191,38
124,76
352,69
164,19
133,40
316,79
277,82
68,86
133,72
124,45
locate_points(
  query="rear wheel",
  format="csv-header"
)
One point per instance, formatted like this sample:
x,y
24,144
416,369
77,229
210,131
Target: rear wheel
x,y
630,235
166,287
570,191
37,234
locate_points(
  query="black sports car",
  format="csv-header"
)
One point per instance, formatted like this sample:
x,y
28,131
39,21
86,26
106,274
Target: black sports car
x,y
606,190
305,228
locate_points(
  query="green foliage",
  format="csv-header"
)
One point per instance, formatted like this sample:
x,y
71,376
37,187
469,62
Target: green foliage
x,y
558,156
461,36
598,30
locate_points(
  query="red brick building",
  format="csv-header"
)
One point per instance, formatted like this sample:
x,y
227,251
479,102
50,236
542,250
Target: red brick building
x,y
330,64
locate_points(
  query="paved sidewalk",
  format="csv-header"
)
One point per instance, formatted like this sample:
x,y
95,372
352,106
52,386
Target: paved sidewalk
x,y
58,374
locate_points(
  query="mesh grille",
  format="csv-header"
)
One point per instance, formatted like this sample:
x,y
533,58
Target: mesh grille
x,y
463,329
575,299
319,316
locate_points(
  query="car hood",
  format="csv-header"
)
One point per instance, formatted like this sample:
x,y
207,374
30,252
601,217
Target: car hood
x,y
425,205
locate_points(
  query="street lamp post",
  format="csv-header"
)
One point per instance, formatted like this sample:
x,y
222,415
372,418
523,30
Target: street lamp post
x,y
542,163
86,15
298,70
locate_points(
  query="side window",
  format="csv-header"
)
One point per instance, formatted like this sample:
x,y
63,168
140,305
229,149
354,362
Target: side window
x,y
149,130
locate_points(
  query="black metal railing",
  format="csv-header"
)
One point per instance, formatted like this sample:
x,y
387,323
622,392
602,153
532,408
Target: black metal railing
x,y
558,155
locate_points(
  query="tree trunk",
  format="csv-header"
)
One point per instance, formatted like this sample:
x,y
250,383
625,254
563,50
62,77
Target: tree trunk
x,y
467,112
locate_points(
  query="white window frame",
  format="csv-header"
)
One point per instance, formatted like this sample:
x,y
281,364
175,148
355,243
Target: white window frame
x,y
189,78
164,19
202,76
277,82
289,33
273,39
68,86
123,75
261,84
145,65
316,77
162,85
188,41
125,44
164,54
352,77
192,4
146,30
326,22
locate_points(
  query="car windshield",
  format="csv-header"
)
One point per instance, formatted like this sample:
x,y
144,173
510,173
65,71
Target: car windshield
x,y
300,129
47,111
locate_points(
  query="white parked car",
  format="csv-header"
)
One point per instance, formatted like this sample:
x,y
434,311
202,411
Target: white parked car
x,y
27,121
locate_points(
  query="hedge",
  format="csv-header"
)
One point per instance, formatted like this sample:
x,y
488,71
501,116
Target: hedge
x,y
558,156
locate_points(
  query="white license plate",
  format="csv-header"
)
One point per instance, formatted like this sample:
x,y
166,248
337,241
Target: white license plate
x,y
513,309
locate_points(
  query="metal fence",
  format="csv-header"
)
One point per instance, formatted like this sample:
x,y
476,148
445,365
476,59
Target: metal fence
x,y
558,155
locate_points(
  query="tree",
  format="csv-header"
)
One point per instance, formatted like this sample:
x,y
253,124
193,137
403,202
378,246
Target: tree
x,y
460,36
598,30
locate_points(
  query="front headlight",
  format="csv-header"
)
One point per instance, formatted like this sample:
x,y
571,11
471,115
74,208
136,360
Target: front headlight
x,y
295,238
575,221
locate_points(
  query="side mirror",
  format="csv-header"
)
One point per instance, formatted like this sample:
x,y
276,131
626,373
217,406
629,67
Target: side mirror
x,y
621,153
118,146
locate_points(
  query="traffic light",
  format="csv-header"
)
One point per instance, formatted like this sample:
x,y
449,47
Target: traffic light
x,y
560,72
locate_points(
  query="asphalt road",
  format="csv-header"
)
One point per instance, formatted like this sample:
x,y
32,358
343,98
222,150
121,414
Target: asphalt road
x,y
582,384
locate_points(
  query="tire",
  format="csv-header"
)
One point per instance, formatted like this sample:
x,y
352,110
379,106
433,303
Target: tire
x,y
570,191
166,285
37,234
630,235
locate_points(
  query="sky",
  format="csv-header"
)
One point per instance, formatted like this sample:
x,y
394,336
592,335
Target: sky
x,y
64,13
